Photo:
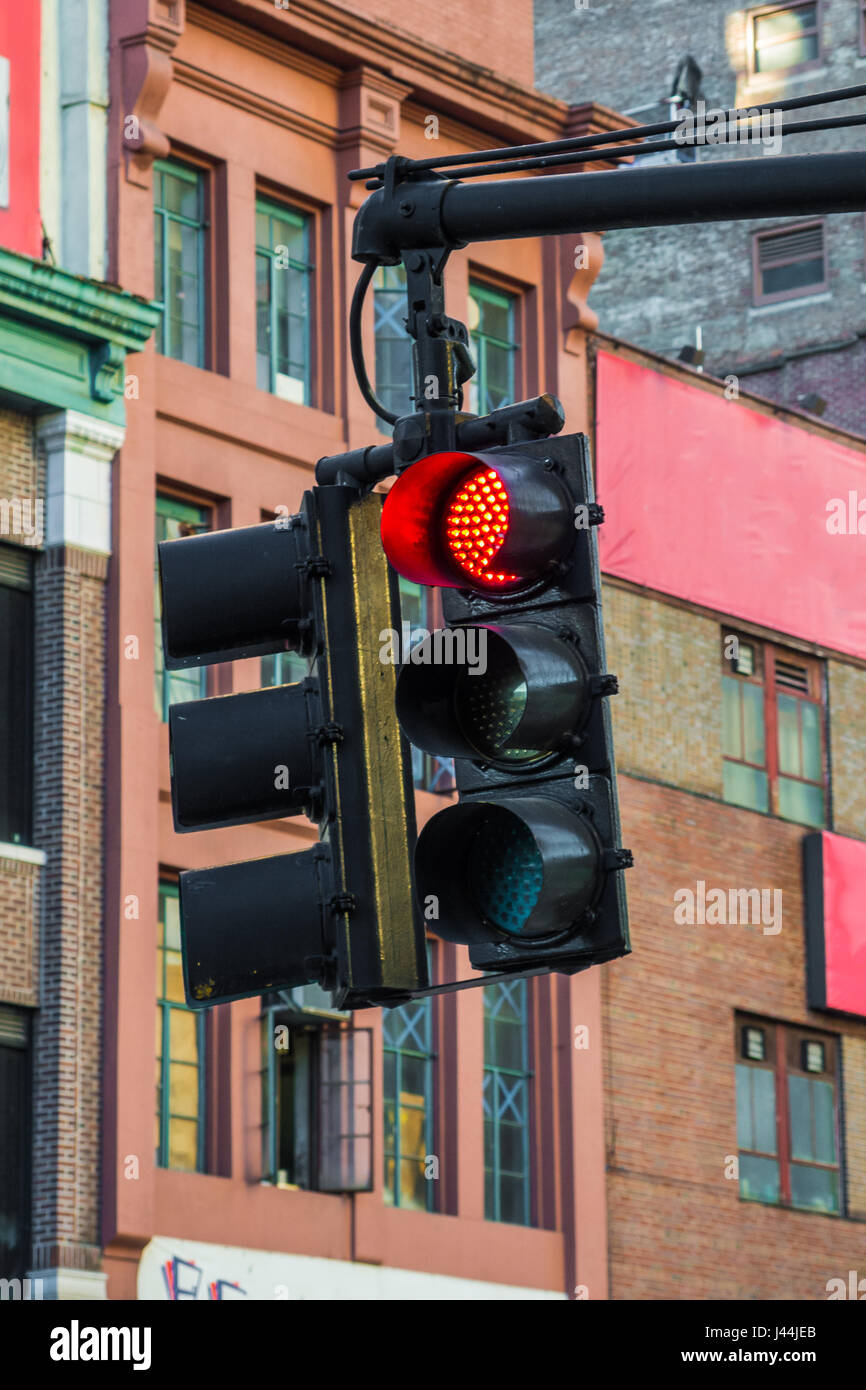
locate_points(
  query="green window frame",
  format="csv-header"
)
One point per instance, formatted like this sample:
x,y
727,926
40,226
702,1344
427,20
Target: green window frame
x,y
179,249
773,735
506,1103
408,1065
16,695
174,518
492,319
394,384
284,271
180,1051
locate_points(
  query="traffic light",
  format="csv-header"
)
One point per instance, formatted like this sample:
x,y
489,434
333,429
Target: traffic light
x,y
527,868
340,914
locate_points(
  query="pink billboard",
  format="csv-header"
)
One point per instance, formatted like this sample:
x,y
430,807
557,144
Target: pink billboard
x,y
708,499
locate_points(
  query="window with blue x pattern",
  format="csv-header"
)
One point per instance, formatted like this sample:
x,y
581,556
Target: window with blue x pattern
x,y
506,1103
407,1035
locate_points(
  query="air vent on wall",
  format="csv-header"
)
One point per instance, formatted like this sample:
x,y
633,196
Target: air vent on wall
x,y
792,677
801,244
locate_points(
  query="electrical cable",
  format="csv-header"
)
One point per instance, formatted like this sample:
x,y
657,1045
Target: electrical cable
x,y
356,346
581,142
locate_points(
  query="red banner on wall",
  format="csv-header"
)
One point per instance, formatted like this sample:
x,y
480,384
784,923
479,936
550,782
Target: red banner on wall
x,y
835,873
709,500
20,48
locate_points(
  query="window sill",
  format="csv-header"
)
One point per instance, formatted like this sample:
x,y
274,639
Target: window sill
x,y
796,302
787,1206
25,854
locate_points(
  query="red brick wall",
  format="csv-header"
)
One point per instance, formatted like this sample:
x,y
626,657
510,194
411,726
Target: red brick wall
x,y
678,1228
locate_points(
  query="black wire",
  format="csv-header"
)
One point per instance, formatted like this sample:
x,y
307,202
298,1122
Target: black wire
x,y
514,166
581,142
356,346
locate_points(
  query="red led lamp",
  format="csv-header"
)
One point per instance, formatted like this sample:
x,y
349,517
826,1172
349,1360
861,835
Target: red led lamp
x,y
489,522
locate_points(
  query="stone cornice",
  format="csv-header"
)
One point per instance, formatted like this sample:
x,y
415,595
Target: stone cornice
x,y
71,305
475,95
210,84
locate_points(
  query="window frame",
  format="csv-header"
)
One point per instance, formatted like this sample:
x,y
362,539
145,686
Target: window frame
x,y
380,290
289,210
17,568
759,299
526,1073
784,1042
770,74
201,173
169,887
769,655
493,290
429,1056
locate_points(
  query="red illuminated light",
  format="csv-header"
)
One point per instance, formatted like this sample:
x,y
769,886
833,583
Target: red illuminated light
x,y
476,525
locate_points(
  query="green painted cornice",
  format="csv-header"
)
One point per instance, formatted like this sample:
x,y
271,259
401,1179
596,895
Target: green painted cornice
x,y
49,295
64,338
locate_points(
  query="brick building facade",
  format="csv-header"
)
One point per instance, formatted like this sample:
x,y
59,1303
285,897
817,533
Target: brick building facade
x,y
684,1220
805,337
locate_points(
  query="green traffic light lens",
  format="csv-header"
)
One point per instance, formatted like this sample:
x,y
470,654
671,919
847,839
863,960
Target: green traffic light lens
x,y
489,707
505,871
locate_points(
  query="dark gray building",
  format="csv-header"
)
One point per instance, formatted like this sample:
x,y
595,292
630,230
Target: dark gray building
x,y
779,303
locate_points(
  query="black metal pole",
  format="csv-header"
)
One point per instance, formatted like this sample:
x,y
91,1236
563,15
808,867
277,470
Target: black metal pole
x,y
772,186
427,213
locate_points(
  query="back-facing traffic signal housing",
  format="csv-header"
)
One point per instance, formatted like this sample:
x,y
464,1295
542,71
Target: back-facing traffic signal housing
x,y
341,913
527,868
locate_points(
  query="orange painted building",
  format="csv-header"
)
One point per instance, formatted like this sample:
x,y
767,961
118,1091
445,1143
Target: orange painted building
x,y
481,1168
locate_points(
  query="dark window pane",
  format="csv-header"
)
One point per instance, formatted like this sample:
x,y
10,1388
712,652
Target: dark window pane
x,y
753,724
16,714
732,742
814,1188
801,1117
801,802
759,1178
745,786
789,734
796,275
810,734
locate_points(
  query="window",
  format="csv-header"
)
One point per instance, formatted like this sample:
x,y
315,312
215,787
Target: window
x,y
786,1117
316,1095
506,1102
14,1142
772,732
785,38
16,696
418,606
407,1035
174,518
180,1050
393,344
492,331
284,668
789,264
283,302
179,248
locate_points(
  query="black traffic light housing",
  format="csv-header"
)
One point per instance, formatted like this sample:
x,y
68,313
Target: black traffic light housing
x,y
340,914
527,868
